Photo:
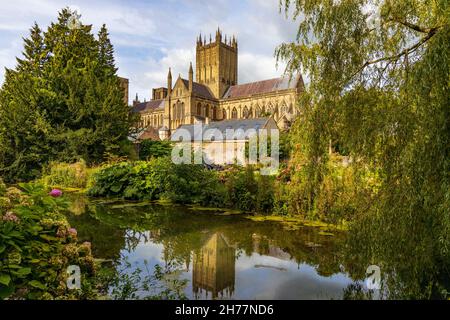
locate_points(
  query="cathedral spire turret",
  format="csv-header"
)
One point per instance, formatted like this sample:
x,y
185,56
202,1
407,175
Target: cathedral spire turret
x,y
191,77
136,100
169,83
218,35
199,40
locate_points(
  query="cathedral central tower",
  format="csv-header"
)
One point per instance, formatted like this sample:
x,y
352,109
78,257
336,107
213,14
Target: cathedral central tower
x,y
217,63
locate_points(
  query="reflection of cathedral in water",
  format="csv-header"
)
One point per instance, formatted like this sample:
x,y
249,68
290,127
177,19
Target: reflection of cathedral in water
x,y
214,268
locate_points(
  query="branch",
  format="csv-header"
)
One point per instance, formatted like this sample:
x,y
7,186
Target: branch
x,y
413,26
404,52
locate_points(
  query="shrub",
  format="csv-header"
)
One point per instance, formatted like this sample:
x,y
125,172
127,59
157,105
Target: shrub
x,y
66,175
154,149
160,179
155,179
111,180
37,245
265,194
242,188
2,188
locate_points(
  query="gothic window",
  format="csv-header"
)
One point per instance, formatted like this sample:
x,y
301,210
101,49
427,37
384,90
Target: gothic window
x,y
245,113
174,114
234,114
284,109
257,112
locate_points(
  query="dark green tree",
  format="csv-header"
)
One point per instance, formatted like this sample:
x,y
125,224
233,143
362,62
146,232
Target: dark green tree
x,y
106,53
62,102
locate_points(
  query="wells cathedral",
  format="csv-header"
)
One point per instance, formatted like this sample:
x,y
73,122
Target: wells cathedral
x,y
216,95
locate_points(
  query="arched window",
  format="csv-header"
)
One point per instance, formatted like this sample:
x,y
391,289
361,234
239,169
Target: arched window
x,y
207,111
174,112
234,114
245,113
284,109
224,114
199,109
214,112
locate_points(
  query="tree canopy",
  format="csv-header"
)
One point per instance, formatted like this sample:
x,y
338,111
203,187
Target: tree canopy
x,y
62,102
379,88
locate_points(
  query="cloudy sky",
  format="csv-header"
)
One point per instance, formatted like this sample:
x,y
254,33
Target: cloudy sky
x,y
152,35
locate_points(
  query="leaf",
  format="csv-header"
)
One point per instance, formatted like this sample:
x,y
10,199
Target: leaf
x,y
24,271
48,238
5,279
37,284
5,292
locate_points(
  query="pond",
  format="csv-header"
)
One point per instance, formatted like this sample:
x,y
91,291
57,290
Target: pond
x,y
222,256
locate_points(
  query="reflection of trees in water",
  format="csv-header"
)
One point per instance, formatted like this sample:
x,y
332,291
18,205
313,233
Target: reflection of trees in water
x,y
107,240
412,265
407,252
182,233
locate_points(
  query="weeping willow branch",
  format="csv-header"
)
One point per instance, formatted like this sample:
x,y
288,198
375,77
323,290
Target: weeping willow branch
x,y
395,57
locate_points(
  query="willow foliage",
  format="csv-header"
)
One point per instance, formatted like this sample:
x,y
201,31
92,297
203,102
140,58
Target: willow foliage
x,y
379,88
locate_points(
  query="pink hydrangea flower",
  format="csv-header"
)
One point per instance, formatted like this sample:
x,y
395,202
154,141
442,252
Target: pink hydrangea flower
x,y
73,232
86,244
9,216
55,193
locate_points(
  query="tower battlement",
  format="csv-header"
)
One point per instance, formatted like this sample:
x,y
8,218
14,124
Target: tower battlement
x,y
217,63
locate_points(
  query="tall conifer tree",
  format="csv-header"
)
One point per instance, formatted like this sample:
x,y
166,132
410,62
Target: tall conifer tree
x,y
56,105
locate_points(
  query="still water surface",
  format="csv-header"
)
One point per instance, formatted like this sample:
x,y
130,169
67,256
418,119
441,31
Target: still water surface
x,y
220,256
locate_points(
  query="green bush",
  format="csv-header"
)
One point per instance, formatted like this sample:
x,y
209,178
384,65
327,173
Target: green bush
x,y
265,196
160,179
154,149
112,180
242,188
66,175
36,247
2,188
157,179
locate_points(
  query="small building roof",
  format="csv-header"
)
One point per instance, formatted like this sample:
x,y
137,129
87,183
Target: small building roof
x,y
148,106
148,133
